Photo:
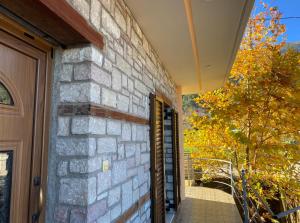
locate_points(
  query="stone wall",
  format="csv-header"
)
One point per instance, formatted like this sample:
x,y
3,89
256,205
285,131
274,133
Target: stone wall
x,y
98,167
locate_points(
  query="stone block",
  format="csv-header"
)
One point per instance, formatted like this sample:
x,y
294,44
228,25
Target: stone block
x,y
126,132
135,195
111,54
137,154
118,172
82,7
107,65
126,195
77,55
85,165
95,13
115,212
136,41
142,175
88,125
107,145
133,132
123,103
123,65
143,147
140,133
144,189
118,48
76,146
104,181
109,98
110,25
130,162
102,196
120,19
130,85
137,29
121,152
135,182
62,168
124,81
80,92
105,218
90,71
114,196
114,127
132,172
116,79
96,210
129,150
75,191
61,214
63,126
66,72
145,158
78,215
106,3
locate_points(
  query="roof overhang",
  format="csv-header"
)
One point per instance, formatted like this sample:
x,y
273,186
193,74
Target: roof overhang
x,y
55,21
197,40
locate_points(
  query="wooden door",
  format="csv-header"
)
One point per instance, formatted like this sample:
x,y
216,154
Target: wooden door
x,y
157,159
22,95
176,160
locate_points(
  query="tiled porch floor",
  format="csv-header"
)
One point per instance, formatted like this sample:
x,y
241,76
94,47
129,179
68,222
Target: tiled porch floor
x,y
206,205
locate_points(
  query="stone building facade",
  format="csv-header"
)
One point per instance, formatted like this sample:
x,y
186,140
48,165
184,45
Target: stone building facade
x,y
100,166
86,92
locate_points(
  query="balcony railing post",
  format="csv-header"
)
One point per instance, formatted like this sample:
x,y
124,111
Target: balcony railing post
x,y
245,204
231,178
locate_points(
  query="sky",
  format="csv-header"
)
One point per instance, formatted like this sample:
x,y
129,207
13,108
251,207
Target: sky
x,y
289,8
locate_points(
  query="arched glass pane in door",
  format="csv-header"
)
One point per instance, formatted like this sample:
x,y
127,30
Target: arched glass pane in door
x,y
5,96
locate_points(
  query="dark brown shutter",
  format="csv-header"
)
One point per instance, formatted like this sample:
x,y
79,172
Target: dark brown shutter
x,y
178,158
157,159
176,170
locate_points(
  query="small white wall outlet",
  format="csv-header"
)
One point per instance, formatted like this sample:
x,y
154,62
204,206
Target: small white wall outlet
x,y
105,165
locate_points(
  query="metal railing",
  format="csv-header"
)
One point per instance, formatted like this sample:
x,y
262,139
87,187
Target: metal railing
x,y
242,196
247,189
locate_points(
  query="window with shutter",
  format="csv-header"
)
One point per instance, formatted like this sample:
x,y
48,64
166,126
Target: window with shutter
x,y
157,159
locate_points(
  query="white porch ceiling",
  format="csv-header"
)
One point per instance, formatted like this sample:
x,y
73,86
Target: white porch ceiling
x,y
218,27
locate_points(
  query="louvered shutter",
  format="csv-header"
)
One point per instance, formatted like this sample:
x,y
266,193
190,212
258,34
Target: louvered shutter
x,y
178,158
157,159
176,170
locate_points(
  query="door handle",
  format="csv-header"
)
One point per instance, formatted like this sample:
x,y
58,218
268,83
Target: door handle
x,y
35,216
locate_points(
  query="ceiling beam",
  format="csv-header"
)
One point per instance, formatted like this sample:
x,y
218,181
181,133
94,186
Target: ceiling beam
x,y
189,16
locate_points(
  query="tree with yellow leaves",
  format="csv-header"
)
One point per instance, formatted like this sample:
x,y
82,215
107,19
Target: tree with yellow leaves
x,y
254,120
